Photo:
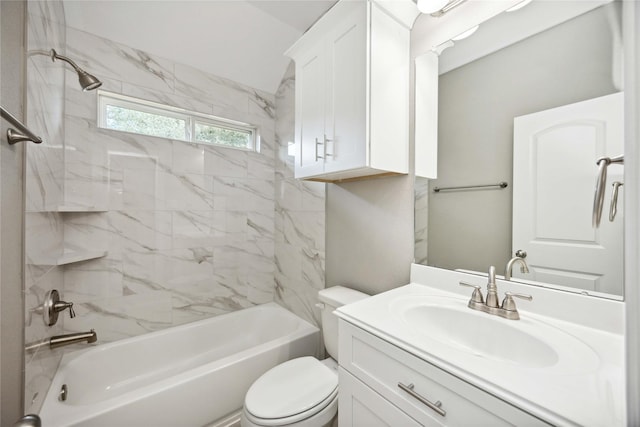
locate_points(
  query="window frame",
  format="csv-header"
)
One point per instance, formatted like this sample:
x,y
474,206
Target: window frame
x,y
105,98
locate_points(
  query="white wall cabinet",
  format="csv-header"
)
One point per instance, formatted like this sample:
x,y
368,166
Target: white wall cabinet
x,y
372,371
352,91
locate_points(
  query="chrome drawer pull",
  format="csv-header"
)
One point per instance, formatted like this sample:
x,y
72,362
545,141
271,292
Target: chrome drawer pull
x,y
435,406
318,157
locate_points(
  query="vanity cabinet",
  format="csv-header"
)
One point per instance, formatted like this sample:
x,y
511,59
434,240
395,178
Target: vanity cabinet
x,y
352,92
381,383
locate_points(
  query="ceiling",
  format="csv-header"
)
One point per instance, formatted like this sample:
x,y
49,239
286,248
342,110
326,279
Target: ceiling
x,y
236,39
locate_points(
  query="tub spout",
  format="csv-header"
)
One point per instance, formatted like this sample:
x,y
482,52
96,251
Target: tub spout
x,y
62,340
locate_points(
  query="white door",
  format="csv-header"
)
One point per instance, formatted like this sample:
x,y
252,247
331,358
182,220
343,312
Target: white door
x,y
554,175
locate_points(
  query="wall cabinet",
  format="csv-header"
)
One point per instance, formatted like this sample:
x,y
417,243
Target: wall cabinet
x,y
391,383
352,92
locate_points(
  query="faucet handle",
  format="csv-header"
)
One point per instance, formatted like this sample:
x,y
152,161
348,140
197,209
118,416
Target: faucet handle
x,y
72,313
63,305
509,304
477,293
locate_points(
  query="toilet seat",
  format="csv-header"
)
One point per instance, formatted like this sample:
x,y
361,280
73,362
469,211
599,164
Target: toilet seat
x,y
291,392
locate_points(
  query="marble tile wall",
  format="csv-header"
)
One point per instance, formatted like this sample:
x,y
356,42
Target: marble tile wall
x,y
189,228
421,219
44,188
191,231
299,218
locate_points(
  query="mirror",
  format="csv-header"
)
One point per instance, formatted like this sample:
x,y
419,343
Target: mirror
x,y
558,62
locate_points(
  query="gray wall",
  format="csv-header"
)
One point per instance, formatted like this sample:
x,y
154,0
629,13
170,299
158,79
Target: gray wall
x,y
11,215
477,104
370,233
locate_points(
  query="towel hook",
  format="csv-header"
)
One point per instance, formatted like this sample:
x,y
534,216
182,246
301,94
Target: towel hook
x,y
601,181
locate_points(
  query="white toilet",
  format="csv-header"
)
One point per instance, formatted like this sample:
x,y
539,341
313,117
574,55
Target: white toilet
x,y
302,392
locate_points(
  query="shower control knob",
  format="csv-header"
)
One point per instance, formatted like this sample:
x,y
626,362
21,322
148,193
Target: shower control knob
x,y
52,305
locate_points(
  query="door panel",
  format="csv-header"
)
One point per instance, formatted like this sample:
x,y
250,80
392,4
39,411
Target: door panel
x,y
310,113
346,116
555,153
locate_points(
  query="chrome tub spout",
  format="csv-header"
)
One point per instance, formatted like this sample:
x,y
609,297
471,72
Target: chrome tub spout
x,y
62,340
67,339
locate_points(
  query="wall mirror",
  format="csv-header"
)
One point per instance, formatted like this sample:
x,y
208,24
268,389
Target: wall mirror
x,y
533,98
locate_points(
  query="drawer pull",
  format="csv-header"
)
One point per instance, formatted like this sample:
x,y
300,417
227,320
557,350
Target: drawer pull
x,y
435,406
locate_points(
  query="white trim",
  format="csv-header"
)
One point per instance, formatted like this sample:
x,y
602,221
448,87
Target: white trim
x,y
190,117
631,28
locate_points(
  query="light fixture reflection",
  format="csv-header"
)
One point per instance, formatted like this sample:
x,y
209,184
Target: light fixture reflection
x,y
431,6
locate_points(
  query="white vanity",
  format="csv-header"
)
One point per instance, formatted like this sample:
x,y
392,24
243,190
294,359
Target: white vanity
x,y
417,355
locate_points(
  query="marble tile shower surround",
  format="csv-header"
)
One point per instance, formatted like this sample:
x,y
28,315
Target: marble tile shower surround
x,y
44,179
191,231
189,228
299,218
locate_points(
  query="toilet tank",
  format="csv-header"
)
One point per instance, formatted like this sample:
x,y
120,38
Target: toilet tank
x,y
332,298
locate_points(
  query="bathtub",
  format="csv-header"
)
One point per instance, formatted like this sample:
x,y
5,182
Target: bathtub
x,y
191,375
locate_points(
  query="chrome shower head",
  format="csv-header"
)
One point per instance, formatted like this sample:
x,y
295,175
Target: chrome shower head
x,y
87,81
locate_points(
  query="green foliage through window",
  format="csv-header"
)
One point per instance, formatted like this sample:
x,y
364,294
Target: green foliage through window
x,y
119,112
219,135
127,120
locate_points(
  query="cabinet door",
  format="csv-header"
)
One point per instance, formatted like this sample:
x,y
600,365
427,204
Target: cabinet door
x,y
346,104
358,405
310,113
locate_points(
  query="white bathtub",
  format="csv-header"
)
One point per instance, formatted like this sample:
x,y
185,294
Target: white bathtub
x,y
190,375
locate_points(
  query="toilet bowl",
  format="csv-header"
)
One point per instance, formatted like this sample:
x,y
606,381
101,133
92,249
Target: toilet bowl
x,y
302,392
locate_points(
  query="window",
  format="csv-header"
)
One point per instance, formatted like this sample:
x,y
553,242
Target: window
x,y
127,114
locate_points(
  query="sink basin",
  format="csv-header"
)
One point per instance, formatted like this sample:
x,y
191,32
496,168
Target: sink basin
x,y
482,335
523,343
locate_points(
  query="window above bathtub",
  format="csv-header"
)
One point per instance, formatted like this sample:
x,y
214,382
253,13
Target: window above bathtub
x,y
127,114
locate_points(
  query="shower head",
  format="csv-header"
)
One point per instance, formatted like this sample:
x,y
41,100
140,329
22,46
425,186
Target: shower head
x,y
87,81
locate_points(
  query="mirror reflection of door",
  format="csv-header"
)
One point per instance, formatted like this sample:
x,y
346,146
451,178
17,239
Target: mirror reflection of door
x,y
515,64
554,164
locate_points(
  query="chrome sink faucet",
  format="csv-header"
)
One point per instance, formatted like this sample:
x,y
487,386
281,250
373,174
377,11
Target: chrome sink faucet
x,y
507,309
524,268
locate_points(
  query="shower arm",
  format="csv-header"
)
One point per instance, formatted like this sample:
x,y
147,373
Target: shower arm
x,y
601,181
55,55
87,81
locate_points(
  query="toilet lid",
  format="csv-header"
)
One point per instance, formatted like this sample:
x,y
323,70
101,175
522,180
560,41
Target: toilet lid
x,y
291,388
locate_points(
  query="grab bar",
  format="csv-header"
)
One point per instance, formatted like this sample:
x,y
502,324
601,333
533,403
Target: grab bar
x,y
502,184
601,181
24,135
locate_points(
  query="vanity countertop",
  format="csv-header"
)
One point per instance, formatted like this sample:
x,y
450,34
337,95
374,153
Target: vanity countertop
x,y
584,386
